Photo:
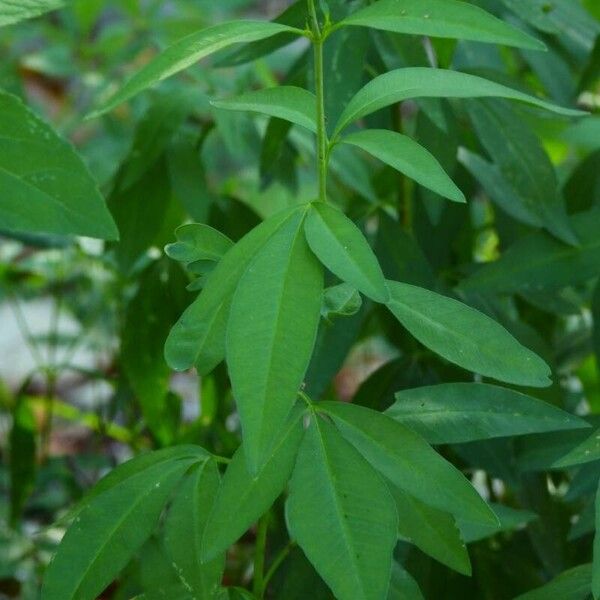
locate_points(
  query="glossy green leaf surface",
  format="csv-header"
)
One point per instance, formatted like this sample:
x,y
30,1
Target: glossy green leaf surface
x,y
108,531
13,12
242,498
342,515
293,104
271,334
465,336
342,248
407,156
46,187
198,338
452,413
406,459
432,530
423,82
184,529
441,18
187,51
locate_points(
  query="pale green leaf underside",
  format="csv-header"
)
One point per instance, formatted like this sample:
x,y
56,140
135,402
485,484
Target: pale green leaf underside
x,y
45,186
423,82
342,248
187,51
452,413
243,498
465,336
13,11
293,104
408,461
271,334
441,18
342,515
108,531
198,337
407,156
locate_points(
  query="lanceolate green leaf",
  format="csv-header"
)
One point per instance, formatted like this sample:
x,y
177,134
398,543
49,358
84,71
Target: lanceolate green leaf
x,y
187,51
46,188
406,459
572,584
198,338
539,262
407,156
586,451
423,82
466,336
441,18
184,527
108,531
12,12
290,103
523,162
342,515
243,498
452,413
271,334
342,248
432,530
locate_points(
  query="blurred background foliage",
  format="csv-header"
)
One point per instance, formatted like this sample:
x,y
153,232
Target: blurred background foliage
x,y
82,324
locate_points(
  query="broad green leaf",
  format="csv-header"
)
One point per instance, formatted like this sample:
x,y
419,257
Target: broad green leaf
x,y
498,188
189,50
509,520
340,300
523,162
243,498
572,584
407,156
185,526
342,248
441,18
137,465
342,515
271,334
108,531
586,451
402,585
465,336
432,530
294,16
423,82
46,187
408,461
198,242
198,338
596,326
452,413
585,132
539,262
13,12
290,103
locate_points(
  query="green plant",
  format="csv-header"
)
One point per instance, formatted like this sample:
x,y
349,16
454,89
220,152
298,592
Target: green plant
x,y
342,482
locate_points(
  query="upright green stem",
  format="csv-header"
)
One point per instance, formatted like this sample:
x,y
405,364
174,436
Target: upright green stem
x,y
258,583
322,142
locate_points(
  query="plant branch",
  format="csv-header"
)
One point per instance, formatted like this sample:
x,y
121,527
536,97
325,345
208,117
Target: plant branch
x,y
258,584
318,38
